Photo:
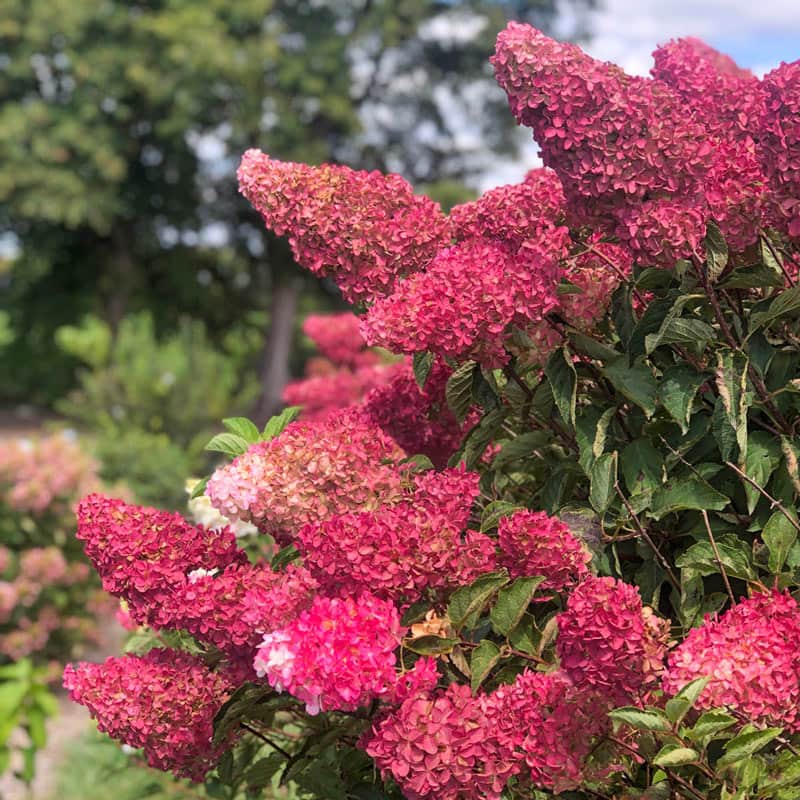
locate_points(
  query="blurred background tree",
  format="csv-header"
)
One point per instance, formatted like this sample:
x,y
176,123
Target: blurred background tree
x,y
122,122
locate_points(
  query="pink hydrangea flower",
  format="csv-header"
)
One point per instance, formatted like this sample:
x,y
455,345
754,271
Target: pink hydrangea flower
x,y
310,472
532,543
164,702
403,551
337,336
363,229
142,554
607,642
338,655
440,745
547,723
751,654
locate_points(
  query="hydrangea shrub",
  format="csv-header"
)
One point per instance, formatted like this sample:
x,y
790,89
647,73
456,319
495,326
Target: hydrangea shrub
x,y
556,552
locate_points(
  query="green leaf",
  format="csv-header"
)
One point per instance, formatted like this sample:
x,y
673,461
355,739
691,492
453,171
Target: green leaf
x,y
494,512
734,554
484,658
422,364
676,392
602,481
228,443
716,252
731,379
650,719
642,466
672,755
685,493
276,425
757,277
430,645
512,603
779,535
563,379
710,723
786,304
678,706
259,774
467,603
745,744
636,383
36,728
763,456
284,557
520,447
667,331
199,488
241,426
458,391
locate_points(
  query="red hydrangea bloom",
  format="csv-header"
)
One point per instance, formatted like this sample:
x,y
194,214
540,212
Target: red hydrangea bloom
x,y
726,98
337,336
323,395
752,655
419,420
607,642
422,677
142,553
465,303
338,655
441,746
545,721
779,145
402,551
309,472
163,701
512,213
613,139
233,609
532,543
363,229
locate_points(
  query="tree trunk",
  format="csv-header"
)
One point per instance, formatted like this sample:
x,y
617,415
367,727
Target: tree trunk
x,y
274,365
121,277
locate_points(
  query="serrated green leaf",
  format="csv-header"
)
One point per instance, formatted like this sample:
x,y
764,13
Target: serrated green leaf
x,y
779,535
520,447
241,426
430,645
762,459
684,493
709,724
636,383
228,443
716,252
675,756
512,603
734,554
756,277
467,603
276,425
422,364
649,719
678,706
458,391
259,774
563,379
731,380
642,466
786,304
484,657
745,744
602,480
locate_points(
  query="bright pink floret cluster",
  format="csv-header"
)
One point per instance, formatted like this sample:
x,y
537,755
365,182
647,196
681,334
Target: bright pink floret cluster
x,y
441,745
337,336
406,550
779,145
338,655
363,229
309,472
143,554
532,543
607,642
752,656
164,702
544,721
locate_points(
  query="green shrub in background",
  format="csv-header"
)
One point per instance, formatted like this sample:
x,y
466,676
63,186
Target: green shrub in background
x,y
151,402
